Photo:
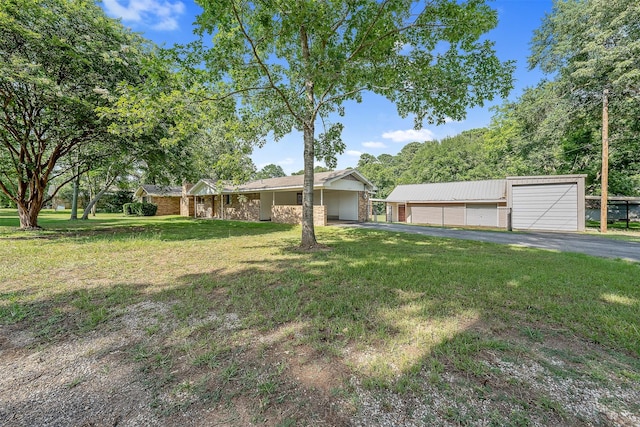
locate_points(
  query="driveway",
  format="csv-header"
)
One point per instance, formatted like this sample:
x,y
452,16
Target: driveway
x,y
564,242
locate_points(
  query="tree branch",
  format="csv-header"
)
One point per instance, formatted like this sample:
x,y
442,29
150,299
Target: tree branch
x,y
263,66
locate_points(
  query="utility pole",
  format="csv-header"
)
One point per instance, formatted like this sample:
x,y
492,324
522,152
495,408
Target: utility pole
x,y
604,181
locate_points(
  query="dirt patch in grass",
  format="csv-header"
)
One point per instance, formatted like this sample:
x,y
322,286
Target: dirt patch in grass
x,y
145,367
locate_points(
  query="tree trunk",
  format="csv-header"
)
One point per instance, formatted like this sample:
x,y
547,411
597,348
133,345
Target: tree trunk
x,y
28,214
74,201
308,231
92,204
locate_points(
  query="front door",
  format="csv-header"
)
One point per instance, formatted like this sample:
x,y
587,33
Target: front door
x,y
402,216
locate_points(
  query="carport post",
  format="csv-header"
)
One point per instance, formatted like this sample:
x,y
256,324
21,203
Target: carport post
x,y
627,214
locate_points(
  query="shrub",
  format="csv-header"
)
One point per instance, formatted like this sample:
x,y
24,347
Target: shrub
x,y
139,209
149,209
114,202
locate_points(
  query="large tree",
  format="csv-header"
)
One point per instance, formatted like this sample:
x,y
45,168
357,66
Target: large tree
x,y
592,49
270,171
294,64
58,58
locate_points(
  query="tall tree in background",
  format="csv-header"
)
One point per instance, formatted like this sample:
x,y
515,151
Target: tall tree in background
x,y
270,171
294,64
593,48
56,59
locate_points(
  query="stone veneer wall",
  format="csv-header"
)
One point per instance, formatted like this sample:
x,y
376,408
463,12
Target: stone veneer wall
x,y
292,214
363,207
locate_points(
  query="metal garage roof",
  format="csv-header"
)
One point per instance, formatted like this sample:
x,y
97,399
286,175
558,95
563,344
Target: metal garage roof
x,y
492,190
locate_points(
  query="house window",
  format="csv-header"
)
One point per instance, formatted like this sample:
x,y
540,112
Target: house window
x,y
299,198
227,199
144,199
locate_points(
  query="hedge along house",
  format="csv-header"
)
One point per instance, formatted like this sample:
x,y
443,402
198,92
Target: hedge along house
x,y
547,203
338,195
168,199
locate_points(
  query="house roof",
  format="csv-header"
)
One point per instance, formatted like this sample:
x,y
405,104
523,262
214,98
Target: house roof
x,y
158,191
493,190
321,180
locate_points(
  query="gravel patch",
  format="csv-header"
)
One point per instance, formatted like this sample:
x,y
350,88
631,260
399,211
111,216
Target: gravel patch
x,y
94,379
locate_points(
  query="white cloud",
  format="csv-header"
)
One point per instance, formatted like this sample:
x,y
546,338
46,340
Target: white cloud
x,y
285,162
157,14
409,135
373,144
353,153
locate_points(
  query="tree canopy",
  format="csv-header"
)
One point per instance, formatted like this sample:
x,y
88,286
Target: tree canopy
x,y
270,171
57,59
589,47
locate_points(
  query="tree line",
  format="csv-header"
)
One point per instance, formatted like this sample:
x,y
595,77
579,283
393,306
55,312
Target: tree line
x,y
86,101
555,127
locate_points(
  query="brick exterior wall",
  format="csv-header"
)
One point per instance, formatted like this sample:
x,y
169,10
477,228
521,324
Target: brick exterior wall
x,y
166,205
292,214
247,210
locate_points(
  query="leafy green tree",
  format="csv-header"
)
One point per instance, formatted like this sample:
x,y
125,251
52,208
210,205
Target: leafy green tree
x,y
293,65
458,158
186,137
57,58
592,47
381,175
270,171
531,135
316,169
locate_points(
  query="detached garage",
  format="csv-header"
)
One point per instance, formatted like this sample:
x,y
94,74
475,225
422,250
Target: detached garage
x,y
547,203
550,203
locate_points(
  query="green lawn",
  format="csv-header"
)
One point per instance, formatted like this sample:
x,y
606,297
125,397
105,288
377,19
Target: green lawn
x,y
247,319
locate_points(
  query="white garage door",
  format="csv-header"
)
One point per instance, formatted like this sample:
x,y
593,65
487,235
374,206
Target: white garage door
x,y
485,215
437,215
551,207
426,215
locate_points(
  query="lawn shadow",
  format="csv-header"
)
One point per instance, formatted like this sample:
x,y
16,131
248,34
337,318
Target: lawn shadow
x,y
110,228
295,338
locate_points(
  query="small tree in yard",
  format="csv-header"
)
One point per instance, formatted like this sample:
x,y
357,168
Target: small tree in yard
x,y
295,63
57,60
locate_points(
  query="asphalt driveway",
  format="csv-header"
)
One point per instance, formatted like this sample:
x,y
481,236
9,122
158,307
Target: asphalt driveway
x,y
564,242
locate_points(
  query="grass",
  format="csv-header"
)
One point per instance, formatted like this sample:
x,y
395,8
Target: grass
x,y
401,313
618,230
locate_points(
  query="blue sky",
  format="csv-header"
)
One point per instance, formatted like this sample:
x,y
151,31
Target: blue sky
x,y
372,126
